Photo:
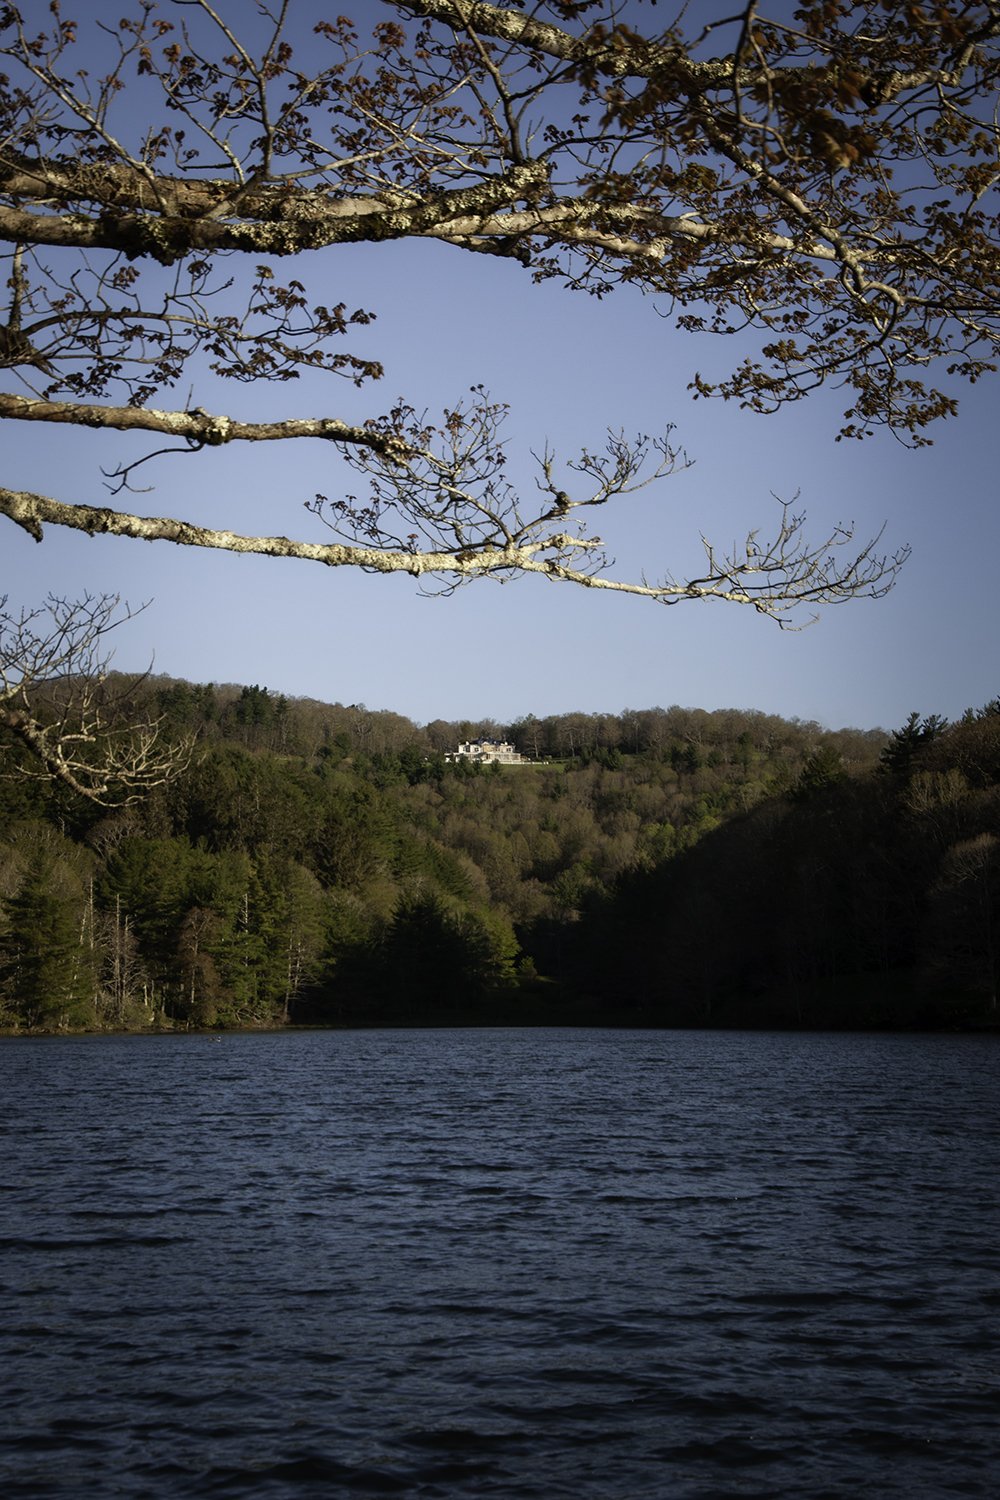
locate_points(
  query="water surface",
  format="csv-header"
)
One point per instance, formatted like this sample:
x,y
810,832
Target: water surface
x,y
544,1263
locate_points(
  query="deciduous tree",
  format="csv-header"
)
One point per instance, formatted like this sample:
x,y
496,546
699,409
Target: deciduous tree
x,y
58,706
825,176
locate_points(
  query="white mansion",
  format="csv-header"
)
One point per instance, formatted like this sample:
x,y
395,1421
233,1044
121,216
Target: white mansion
x,y
487,751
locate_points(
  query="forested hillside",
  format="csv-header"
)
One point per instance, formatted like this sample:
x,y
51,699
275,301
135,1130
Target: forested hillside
x,y
323,864
853,899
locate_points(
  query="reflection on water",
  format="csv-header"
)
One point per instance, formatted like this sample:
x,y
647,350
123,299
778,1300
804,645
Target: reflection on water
x,y
500,1263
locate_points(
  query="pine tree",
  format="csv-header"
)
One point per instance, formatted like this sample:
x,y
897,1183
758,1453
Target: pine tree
x,y
45,958
900,754
820,772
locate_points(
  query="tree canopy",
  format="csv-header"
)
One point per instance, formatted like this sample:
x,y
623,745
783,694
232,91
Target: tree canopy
x,y
824,176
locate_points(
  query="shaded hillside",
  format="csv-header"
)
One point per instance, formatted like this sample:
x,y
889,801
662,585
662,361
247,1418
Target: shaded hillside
x,y
872,899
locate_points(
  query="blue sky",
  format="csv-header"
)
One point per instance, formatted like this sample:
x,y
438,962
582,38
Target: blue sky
x,y
570,367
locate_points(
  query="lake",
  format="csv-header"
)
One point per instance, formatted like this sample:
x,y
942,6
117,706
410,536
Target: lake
x,y
543,1263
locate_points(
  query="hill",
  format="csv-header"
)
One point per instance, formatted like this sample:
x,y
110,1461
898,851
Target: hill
x,y
322,863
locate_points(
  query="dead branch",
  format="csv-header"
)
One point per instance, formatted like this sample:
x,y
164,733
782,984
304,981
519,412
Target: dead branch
x,y
57,703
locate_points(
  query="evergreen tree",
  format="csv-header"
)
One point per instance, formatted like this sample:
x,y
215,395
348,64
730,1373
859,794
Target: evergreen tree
x,y
45,958
433,955
898,757
820,772
254,706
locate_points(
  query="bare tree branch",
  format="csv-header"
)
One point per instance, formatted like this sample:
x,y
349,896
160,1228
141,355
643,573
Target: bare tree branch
x,y
456,498
826,181
199,428
56,701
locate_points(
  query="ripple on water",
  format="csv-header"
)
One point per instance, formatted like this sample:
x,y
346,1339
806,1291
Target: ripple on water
x,y
500,1263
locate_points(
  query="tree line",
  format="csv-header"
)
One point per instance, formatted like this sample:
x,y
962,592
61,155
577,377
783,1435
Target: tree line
x,y
746,870
262,718
317,862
